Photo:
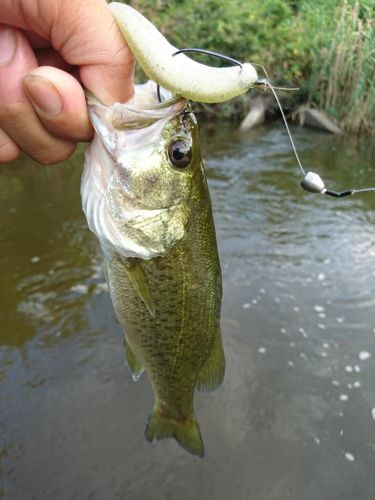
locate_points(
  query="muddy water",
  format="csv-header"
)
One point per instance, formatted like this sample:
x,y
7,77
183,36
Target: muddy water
x,y
295,416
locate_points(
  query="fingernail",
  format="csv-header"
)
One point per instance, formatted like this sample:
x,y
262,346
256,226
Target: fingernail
x,y
7,44
43,95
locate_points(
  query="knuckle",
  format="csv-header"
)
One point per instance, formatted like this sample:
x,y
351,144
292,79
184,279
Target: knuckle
x,y
11,111
8,148
8,152
54,154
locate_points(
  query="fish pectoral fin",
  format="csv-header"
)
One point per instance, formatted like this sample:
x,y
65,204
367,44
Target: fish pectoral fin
x,y
135,366
212,372
140,282
186,432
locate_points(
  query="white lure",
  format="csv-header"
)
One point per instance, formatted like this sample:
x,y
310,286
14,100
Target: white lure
x,y
179,74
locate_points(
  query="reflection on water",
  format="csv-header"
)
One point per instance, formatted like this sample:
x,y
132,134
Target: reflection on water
x,y
295,417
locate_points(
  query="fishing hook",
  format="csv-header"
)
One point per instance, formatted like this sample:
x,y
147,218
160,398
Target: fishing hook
x,y
202,51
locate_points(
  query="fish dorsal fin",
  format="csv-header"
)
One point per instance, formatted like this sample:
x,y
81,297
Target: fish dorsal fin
x,y
212,372
134,364
138,277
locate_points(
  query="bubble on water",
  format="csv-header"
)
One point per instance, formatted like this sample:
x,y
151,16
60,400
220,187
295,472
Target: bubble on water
x,y
335,382
322,315
321,276
283,331
317,440
254,301
321,326
328,301
373,413
349,457
326,345
349,369
276,299
341,433
350,386
318,308
291,364
357,384
262,350
344,397
323,354
357,369
292,344
364,355
296,309
35,259
80,288
246,305
303,333
340,320
303,356
262,290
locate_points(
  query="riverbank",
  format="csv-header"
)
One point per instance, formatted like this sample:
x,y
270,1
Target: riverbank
x,y
325,49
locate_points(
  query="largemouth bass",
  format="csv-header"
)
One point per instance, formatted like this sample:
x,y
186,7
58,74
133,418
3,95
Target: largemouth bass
x,y
145,197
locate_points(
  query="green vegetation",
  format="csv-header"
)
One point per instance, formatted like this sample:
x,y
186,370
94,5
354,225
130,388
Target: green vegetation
x,y
342,79
326,48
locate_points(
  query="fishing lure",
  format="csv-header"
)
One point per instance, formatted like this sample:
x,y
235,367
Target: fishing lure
x,y
182,76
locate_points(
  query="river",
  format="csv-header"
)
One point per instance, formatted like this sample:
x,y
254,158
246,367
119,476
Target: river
x,y
295,416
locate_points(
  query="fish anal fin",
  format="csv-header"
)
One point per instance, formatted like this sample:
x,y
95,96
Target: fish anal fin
x,y
135,366
186,432
140,282
212,372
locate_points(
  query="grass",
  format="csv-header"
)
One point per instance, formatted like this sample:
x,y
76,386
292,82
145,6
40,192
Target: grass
x,y
343,74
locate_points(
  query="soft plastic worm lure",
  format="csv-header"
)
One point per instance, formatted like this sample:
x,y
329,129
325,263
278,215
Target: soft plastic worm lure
x,y
181,75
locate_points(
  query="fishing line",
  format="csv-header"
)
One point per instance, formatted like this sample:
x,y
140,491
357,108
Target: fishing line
x,y
311,181
263,82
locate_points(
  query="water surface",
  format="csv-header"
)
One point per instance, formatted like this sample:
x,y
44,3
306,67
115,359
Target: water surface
x,y
295,416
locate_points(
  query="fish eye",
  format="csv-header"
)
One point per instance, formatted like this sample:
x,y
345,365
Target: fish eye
x,y
180,153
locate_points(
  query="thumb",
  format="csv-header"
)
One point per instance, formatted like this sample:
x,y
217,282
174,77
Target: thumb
x,y
86,35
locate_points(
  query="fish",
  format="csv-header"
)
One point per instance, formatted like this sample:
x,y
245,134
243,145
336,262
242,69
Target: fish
x,y
145,197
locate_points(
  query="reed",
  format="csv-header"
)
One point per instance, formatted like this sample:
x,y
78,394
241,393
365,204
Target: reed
x,y
343,81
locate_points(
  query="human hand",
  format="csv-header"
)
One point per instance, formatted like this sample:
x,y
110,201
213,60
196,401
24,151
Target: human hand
x,y
47,47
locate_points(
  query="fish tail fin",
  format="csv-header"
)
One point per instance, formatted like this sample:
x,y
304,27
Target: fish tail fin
x,y
186,432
